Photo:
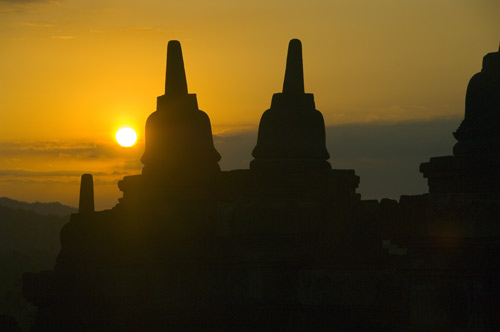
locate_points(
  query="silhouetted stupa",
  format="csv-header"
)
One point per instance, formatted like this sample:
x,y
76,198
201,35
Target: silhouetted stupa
x,y
479,132
474,166
292,132
180,160
179,144
86,204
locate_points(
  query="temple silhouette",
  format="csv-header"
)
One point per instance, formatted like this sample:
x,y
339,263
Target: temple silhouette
x,y
288,244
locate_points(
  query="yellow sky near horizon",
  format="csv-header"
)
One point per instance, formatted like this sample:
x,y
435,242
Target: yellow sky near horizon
x,y
74,71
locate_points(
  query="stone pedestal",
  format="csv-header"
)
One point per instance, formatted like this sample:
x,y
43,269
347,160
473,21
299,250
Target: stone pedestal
x,y
463,174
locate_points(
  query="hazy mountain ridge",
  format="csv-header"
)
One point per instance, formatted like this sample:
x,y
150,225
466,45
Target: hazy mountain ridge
x,y
54,208
29,241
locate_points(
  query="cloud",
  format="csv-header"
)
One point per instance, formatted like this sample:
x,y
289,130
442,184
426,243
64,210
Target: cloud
x,y
37,24
55,162
385,155
67,149
31,174
28,1
63,37
235,148
21,6
392,140
22,176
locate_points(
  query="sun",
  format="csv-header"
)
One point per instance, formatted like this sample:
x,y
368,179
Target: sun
x,y
126,136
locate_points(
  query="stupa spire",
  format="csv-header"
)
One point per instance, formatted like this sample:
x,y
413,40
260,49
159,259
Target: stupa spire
x,y
179,145
292,132
294,73
86,204
175,78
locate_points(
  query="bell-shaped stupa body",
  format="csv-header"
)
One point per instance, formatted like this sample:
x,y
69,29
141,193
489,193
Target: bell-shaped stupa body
x,y
479,132
473,167
179,143
292,132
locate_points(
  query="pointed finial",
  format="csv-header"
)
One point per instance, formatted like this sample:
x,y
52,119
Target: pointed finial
x,y
294,74
175,80
86,204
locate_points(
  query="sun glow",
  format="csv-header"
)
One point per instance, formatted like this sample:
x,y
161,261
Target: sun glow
x,y
126,137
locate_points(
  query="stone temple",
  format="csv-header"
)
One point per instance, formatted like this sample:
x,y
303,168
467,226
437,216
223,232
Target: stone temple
x,y
288,244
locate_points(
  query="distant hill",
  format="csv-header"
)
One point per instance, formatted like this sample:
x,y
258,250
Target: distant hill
x,y
54,208
29,242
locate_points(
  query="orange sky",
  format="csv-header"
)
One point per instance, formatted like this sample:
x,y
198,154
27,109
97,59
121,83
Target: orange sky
x,y
74,71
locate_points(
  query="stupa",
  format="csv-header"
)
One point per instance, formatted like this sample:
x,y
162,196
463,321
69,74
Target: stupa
x,y
178,135
473,167
179,151
292,132
479,132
